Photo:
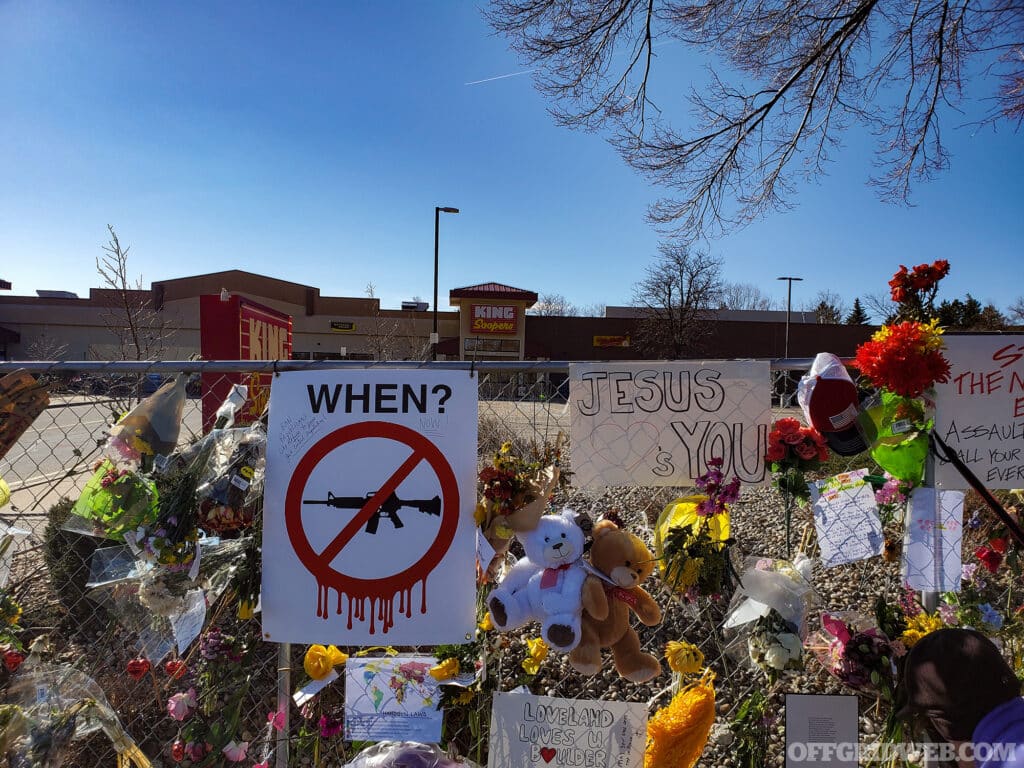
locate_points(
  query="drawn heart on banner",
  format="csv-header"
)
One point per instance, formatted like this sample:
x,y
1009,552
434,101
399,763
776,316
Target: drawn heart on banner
x,y
547,753
615,445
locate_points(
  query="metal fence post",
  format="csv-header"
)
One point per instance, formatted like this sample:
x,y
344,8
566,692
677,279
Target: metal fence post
x,y
284,685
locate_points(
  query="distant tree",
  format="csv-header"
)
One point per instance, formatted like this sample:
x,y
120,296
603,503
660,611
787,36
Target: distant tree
x,y
828,308
553,305
745,296
44,347
1016,310
128,309
678,298
786,79
857,315
593,310
881,308
386,338
970,315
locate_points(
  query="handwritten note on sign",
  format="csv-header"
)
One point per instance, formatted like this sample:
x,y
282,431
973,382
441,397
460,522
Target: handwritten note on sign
x,y
659,424
979,412
545,732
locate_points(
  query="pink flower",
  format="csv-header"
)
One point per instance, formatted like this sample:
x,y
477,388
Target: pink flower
x,y
235,751
264,764
181,705
330,726
276,719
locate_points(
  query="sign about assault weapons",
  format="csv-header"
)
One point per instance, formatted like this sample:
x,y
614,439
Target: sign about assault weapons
x,y
979,412
368,512
661,423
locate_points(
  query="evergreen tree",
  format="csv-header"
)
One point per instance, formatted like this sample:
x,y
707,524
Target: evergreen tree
x,y
857,315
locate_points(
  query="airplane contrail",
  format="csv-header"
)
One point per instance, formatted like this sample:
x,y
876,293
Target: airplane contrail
x,y
499,77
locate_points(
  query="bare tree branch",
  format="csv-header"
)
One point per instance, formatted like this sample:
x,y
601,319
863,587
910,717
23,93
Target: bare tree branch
x,y
802,72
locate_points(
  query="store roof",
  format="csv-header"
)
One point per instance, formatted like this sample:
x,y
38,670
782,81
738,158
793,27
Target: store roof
x,y
497,291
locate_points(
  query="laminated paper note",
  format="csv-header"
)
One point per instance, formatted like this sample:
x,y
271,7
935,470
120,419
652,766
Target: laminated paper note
x,y
846,518
933,539
391,698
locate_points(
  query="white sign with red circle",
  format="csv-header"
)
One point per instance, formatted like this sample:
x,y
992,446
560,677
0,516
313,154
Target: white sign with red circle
x,y
368,508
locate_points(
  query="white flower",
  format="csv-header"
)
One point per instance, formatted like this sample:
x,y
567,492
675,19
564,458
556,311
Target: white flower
x,y
791,643
777,657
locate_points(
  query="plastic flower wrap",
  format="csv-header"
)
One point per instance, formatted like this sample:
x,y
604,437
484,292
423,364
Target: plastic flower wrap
x,y
792,450
691,538
228,500
173,539
514,493
48,707
151,428
856,653
406,754
117,500
896,429
768,613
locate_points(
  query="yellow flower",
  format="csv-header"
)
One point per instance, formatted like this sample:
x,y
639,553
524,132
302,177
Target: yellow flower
x,y
538,652
683,657
480,513
678,732
446,670
919,626
245,610
687,575
487,624
466,696
321,660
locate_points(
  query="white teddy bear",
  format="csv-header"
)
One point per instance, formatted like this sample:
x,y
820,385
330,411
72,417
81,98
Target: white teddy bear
x,y
547,584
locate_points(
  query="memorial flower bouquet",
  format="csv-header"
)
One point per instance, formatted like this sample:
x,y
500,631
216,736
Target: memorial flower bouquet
x,y
692,539
794,449
856,653
117,500
775,646
514,491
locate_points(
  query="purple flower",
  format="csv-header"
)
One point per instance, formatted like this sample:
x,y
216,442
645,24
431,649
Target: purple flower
x,y
330,726
991,616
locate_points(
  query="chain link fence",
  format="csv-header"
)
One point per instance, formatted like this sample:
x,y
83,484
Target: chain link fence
x,y
99,631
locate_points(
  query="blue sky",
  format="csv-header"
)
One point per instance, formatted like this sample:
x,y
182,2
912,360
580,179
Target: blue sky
x,y
312,145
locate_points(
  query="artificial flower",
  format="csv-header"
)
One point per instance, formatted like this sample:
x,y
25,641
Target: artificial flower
x,y
138,667
446,670
683,657
486,624
235,751
466,696
905,358
538,651
181,705
245,610
276,720
178,751
321,660
919,626
991,616
330,726
13,659
989,557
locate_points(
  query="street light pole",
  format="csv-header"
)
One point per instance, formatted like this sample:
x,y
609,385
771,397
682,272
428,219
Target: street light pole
x,y
789,308
437,220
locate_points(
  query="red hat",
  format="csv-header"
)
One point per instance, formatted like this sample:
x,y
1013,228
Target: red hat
x,y
829,400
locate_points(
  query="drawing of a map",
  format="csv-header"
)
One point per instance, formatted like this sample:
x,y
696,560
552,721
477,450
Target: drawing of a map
x,y
391,698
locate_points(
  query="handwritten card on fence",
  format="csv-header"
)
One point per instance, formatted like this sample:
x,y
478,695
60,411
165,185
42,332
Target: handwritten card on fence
x,y
932,542
979,412
846,518
529,731
660,423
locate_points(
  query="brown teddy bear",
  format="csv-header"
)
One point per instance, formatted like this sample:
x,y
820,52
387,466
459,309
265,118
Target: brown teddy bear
x,y
626,561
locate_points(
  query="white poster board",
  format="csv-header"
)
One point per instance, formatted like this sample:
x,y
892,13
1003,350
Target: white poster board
x,y
660,423
979,412
368,533
846,518
530,731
